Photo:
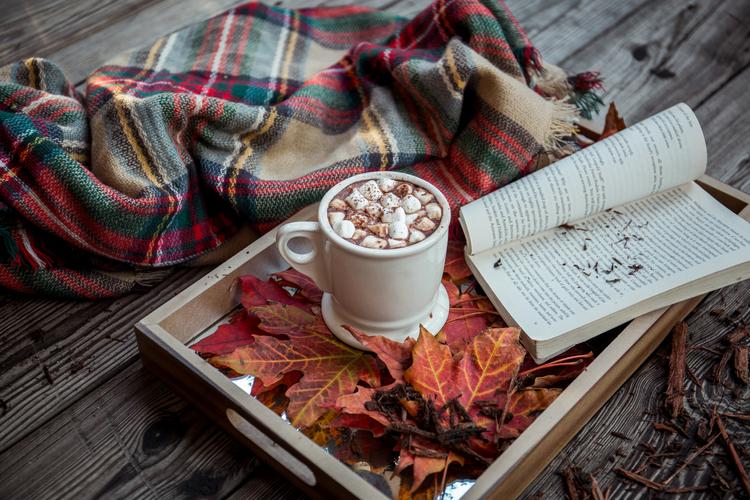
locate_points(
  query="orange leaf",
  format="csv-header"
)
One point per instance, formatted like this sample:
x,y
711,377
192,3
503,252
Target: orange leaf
x,y
489,364
424,466
354,404
330,368
455,262
524,407
284,319
613,122
431,372
460,327
396,356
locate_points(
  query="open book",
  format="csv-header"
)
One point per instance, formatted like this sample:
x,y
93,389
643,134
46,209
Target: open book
x,y
611,232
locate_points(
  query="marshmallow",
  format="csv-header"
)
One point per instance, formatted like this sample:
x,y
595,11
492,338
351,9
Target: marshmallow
x,y
425,224
334,217
356,200
390,200
374,210
403,189
396,243
415,235
359,220
386,184
398,230
379,229
434,211
359,234
374,242
344,228
423,195
410,204
370,190
392,215
337,204
411,218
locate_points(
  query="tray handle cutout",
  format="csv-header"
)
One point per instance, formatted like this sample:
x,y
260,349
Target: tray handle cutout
x,y
280,455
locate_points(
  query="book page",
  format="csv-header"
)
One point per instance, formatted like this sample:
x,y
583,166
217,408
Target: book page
x,y
562,279
659,153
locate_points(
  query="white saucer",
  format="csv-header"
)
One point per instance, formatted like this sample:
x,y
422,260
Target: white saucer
x,y
433,321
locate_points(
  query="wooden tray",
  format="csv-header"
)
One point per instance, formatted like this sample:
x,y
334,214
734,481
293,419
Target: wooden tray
x,y
164,335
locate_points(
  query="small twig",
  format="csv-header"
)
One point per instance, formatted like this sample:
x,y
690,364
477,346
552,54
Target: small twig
x,y
620,435
739,416
509,394
690,458
735,457
557,363
675,388
648,483
473,309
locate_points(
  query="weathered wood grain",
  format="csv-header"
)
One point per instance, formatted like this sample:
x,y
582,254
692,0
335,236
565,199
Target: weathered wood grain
x,y
131,438
140,28
725,118
99,421
558,29
38,28
668,51
635,405
81,344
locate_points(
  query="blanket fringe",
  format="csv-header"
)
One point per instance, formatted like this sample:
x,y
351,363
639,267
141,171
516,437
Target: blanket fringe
x,y
585,92
553,82
564,117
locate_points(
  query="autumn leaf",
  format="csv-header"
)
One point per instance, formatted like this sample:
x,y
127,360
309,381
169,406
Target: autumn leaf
x,y
613,122
237,332
354,405
289,379
488,365
330,368
432,372
396,356
464,322
360,422
424,466
257,292
281,319
306,286
455,262
524,407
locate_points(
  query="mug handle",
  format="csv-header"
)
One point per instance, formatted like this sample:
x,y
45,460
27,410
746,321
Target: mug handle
x,y
312,263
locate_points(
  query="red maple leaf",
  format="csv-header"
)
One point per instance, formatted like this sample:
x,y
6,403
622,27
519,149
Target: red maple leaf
x,y
489,365
424,466
237,332
330,368
455,262
306,286
257,292
396,356
432,372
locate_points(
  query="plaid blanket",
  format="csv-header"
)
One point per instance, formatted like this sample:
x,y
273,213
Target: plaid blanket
x,y
251,115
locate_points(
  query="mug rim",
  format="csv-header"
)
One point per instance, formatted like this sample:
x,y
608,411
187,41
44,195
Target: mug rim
x,y
431,240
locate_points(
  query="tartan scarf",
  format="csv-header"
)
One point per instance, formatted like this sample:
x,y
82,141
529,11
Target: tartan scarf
x,y
249,116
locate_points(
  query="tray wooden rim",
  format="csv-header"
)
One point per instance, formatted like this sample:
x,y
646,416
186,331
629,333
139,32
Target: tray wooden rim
x,y
163,333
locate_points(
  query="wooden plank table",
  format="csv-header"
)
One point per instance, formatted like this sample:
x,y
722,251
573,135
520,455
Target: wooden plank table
x,y
100,425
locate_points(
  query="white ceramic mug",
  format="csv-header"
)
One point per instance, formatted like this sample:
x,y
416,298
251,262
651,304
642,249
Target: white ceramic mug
x,y
387,292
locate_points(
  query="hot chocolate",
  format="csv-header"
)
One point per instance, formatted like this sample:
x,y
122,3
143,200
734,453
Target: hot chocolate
x,y
384,213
